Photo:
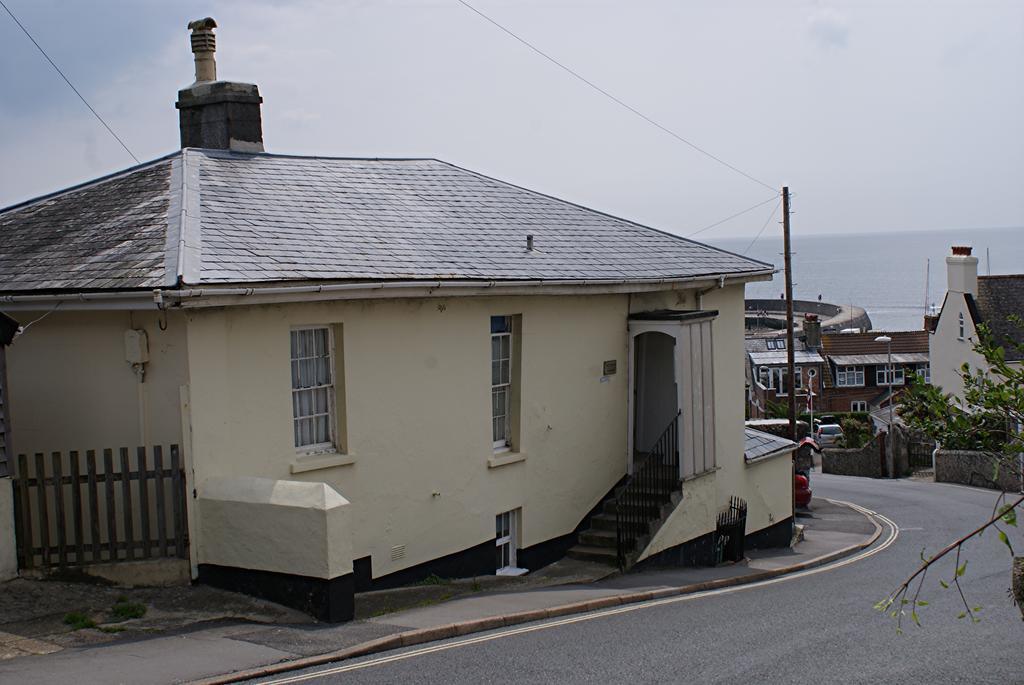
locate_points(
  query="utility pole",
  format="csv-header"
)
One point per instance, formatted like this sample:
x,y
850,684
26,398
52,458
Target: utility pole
x,y
790,355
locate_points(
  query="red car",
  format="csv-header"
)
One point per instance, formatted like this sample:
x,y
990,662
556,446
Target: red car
x,y
801,491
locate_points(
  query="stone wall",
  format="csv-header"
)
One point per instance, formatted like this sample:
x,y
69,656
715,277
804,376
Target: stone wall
x,y
864,461
974,468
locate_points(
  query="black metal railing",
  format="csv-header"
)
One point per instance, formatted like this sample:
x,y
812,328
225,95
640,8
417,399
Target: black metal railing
x,y
730,534
655,477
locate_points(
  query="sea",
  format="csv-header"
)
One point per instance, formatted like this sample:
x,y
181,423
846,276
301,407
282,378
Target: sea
x,y
887,274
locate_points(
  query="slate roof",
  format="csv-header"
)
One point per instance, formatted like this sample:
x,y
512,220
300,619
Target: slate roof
x,y
759,445
757,349
909,342
203,217
999,297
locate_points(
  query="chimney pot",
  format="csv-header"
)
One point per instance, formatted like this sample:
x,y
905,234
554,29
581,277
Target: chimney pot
x,y
963,250
204,45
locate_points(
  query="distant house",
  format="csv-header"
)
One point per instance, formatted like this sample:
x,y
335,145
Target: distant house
x,y
371,370
857,376
970,301
766,369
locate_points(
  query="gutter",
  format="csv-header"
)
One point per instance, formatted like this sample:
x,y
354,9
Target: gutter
x,y
214,296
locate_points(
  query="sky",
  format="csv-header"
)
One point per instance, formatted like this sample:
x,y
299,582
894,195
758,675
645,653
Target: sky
x,y
880,115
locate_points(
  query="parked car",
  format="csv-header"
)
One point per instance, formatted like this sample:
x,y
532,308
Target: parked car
x,y
828,434
801,491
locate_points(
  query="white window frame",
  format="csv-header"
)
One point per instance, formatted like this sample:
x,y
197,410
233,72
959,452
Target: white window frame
x,y
886,375
924,372
504,442
849,376
331,444
506,543
858,405
777,380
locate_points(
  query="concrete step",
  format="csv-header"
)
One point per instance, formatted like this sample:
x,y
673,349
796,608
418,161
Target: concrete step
x,y
611,507
599,538
604,521
600,554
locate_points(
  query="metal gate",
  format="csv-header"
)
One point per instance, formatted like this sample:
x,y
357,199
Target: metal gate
x,y
71,511
919,454
730,534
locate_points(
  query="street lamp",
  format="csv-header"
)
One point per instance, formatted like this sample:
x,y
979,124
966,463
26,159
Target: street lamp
x,y
890,376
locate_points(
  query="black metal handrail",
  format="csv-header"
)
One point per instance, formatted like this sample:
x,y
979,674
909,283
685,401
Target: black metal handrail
x,y
654,480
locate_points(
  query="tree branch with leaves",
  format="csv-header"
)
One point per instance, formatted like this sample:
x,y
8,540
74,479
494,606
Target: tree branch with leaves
x,y
988,420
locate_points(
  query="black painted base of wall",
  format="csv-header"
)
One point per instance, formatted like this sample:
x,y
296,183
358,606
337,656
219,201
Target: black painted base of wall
x,y
777,535
478,560
331,601
697,552
701,551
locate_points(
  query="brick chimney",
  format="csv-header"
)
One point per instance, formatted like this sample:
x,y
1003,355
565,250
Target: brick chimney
x,y
962,271
812,331
216,114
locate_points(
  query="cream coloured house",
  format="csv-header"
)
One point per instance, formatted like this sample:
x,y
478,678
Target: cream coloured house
x,y
972,300
375,370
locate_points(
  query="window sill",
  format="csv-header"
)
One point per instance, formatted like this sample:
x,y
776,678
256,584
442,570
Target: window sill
x,y
313,462
505,458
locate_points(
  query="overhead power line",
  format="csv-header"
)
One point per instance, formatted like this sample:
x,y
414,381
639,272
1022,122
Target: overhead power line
x,y
67,81
730,218
767,221
618,101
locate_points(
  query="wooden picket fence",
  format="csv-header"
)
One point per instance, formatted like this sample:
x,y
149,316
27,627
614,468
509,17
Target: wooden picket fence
x,y
72,512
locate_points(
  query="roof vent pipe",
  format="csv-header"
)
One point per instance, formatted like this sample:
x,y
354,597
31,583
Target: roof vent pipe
x,y
204,45
529,243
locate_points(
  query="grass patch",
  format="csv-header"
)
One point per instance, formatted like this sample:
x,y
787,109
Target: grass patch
x,y
434,579
112,629
126,610
77,620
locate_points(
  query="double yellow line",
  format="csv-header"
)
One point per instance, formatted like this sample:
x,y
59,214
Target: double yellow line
x,y
893,533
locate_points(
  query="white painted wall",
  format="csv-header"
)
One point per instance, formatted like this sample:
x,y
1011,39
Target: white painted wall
x,y
417,392
71,388
946,352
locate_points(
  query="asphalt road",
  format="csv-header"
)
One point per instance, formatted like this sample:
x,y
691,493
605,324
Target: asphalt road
x,y
818,628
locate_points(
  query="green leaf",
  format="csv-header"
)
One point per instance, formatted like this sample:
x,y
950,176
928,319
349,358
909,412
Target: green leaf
x,y
922,603
913,615
1006,541
962,614
975,609
961,570
1010,516
944,584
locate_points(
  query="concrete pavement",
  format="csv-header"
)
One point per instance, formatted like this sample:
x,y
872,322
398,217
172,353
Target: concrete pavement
x,y
246,651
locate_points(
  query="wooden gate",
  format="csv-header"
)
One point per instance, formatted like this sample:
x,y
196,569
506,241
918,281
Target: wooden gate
x,y
71,511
